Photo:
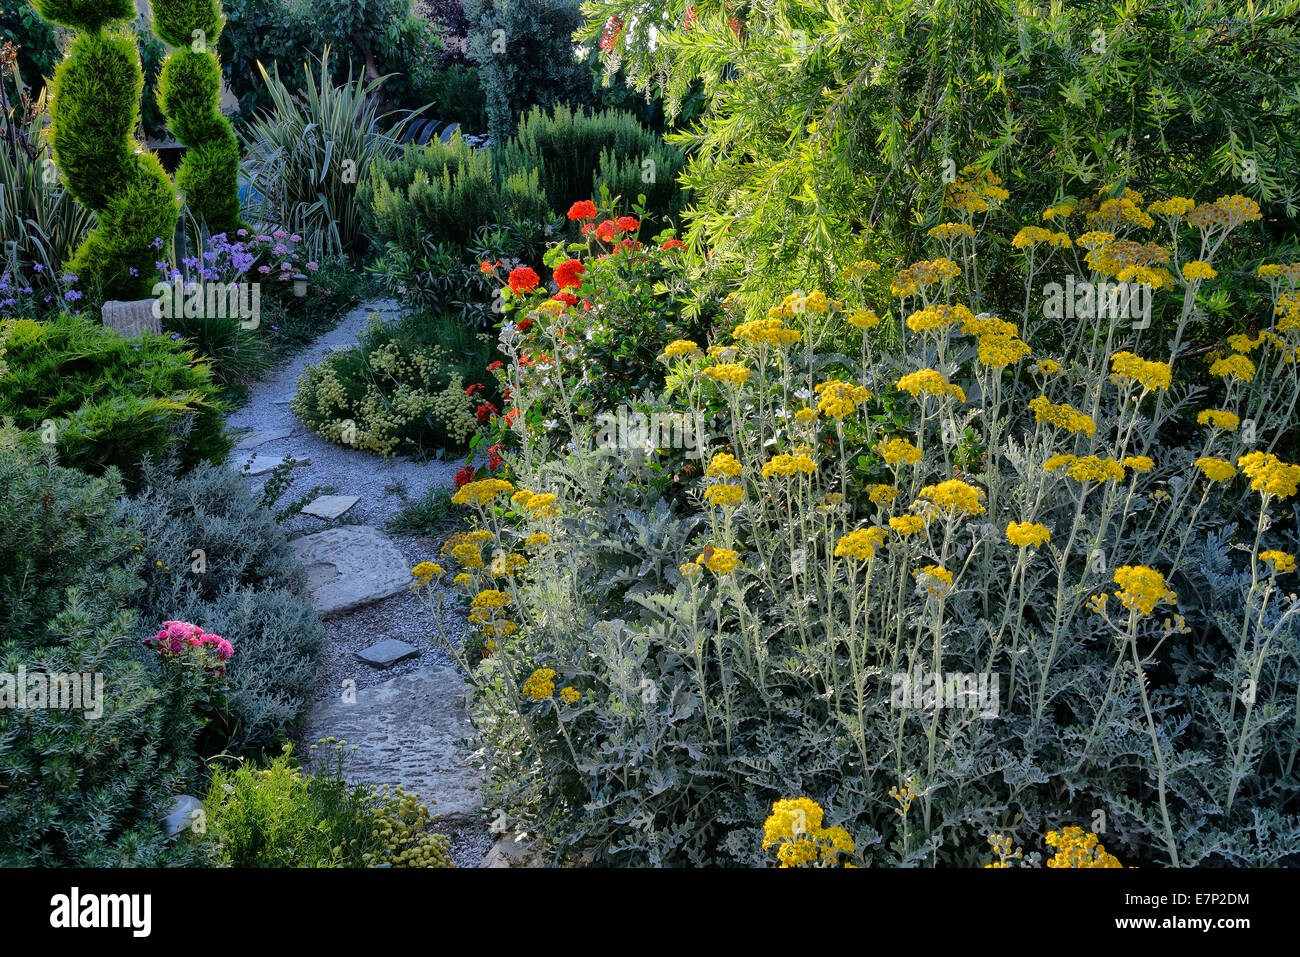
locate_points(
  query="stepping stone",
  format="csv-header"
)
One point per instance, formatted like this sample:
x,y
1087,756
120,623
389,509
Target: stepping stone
x,y
261,438
262,464
409,730
387,653
184,811
330,506
350,566
133,318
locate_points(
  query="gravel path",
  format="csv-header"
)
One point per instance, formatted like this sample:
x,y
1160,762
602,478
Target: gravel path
x,y
384,487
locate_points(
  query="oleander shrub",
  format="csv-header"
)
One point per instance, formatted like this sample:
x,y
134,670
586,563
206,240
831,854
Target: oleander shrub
x,y
212,555
404,389
943,573
81,790
282,816
105,401
94,113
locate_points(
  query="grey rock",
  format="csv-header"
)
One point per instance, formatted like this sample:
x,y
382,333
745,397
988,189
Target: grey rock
x,y
131,318
387,653
509,851
264,463
409,731
350,566
330,506
184,811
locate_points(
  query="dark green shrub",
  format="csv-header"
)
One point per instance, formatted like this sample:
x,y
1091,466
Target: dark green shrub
x,y
76,790
95,110
526,57
189,89
108,401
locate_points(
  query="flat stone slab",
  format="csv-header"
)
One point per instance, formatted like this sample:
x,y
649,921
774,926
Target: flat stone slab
x,y
132,318
262,464
410,730
349,567
330,506
261,438
387,653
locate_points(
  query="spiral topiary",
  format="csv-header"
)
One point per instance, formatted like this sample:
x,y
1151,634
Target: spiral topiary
x,y
94,111
189,89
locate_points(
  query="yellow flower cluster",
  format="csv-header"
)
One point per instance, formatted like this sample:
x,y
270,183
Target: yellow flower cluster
x,y
938,316
955,495
1126,369
973,189
1075,848
796,825
918,276
1115,212
952,231
724,496
1059,211
720,561
1030,236
839,399
860,543
1048,366
1176,207
1226,212
1219,419
1198,269
1269,474
1027,534
1281,561
1216,470
934,579
482,492
1233,366
466,548
770,332
894,451
540,684
788,465
865,319
425,571
1138,463
1062,415
797,304
907,524
679,347
728,372
569,694
1142,588
863,267
931,381
1087,468
539,504
723,464
880,494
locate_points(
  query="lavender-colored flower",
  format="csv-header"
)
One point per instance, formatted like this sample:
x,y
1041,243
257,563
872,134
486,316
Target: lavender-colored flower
x,y
72,295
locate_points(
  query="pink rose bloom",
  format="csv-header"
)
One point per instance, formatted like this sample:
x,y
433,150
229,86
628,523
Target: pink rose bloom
x,y
174,645
224,648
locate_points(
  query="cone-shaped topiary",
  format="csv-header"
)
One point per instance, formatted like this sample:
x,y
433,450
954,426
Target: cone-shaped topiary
x,y
94,111
189,89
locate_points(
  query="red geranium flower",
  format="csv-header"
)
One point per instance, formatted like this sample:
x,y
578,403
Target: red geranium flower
x,y
627,223
464,475
486,411
583,209
606,231
588,228
569,273
470,390
672,244
488,267
568,298
511,416
524,325
522,280
496,365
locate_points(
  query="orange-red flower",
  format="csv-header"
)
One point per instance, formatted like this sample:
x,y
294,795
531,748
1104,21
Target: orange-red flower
x,y
606,231
672,244
627,223
583,209
522,280
568,274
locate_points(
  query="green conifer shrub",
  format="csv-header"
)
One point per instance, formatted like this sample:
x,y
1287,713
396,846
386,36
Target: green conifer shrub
x,y
189,89
95,110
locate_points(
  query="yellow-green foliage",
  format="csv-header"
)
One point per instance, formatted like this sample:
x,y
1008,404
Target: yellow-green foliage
x,y
387,397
